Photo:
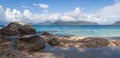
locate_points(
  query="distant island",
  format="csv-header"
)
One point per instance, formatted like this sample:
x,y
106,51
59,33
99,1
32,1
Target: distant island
x,y
73,23
117,23
69,23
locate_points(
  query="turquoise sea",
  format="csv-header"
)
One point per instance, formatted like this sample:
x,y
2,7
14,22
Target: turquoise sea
x,y
80,30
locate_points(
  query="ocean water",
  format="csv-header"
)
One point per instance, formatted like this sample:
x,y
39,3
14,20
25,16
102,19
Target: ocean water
x,y
80,30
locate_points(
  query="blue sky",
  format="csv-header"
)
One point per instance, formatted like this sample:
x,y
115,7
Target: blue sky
x,y
89,6
37,11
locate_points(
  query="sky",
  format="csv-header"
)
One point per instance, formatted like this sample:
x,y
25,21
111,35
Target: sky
x,y
39,11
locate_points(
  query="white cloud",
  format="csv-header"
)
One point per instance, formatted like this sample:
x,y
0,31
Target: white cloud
x,y
117,1
43,6
106,15
34,4
1,8
13,15
47,17
23,6
71,16
2,17
45,11
109,14
28,16
27,13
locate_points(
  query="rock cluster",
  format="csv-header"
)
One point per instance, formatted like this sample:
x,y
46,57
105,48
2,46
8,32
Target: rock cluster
x,y
21,36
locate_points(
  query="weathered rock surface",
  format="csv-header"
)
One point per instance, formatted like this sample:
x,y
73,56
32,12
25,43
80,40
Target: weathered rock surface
x,y
30,43
16,28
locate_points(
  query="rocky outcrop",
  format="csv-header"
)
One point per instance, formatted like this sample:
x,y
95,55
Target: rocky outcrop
x,y
21,36
30,43
16,28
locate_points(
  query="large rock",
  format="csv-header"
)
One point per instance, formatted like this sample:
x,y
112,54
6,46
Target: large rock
x,y
30,43
16,28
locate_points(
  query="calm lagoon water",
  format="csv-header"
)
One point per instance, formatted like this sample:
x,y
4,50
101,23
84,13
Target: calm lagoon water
x,y
81,30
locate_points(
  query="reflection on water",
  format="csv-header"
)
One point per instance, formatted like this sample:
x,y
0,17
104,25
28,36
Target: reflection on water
x,y
70,52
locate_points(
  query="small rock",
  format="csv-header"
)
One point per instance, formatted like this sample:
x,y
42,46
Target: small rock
x,y
45,33
53,42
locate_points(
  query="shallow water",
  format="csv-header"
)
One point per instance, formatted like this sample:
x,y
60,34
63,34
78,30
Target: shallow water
x,y
71,52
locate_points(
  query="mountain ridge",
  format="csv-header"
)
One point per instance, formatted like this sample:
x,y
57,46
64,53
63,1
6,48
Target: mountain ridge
x,y
69,23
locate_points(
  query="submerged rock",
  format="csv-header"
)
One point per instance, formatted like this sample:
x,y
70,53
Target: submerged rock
x,y
16,28
30,43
